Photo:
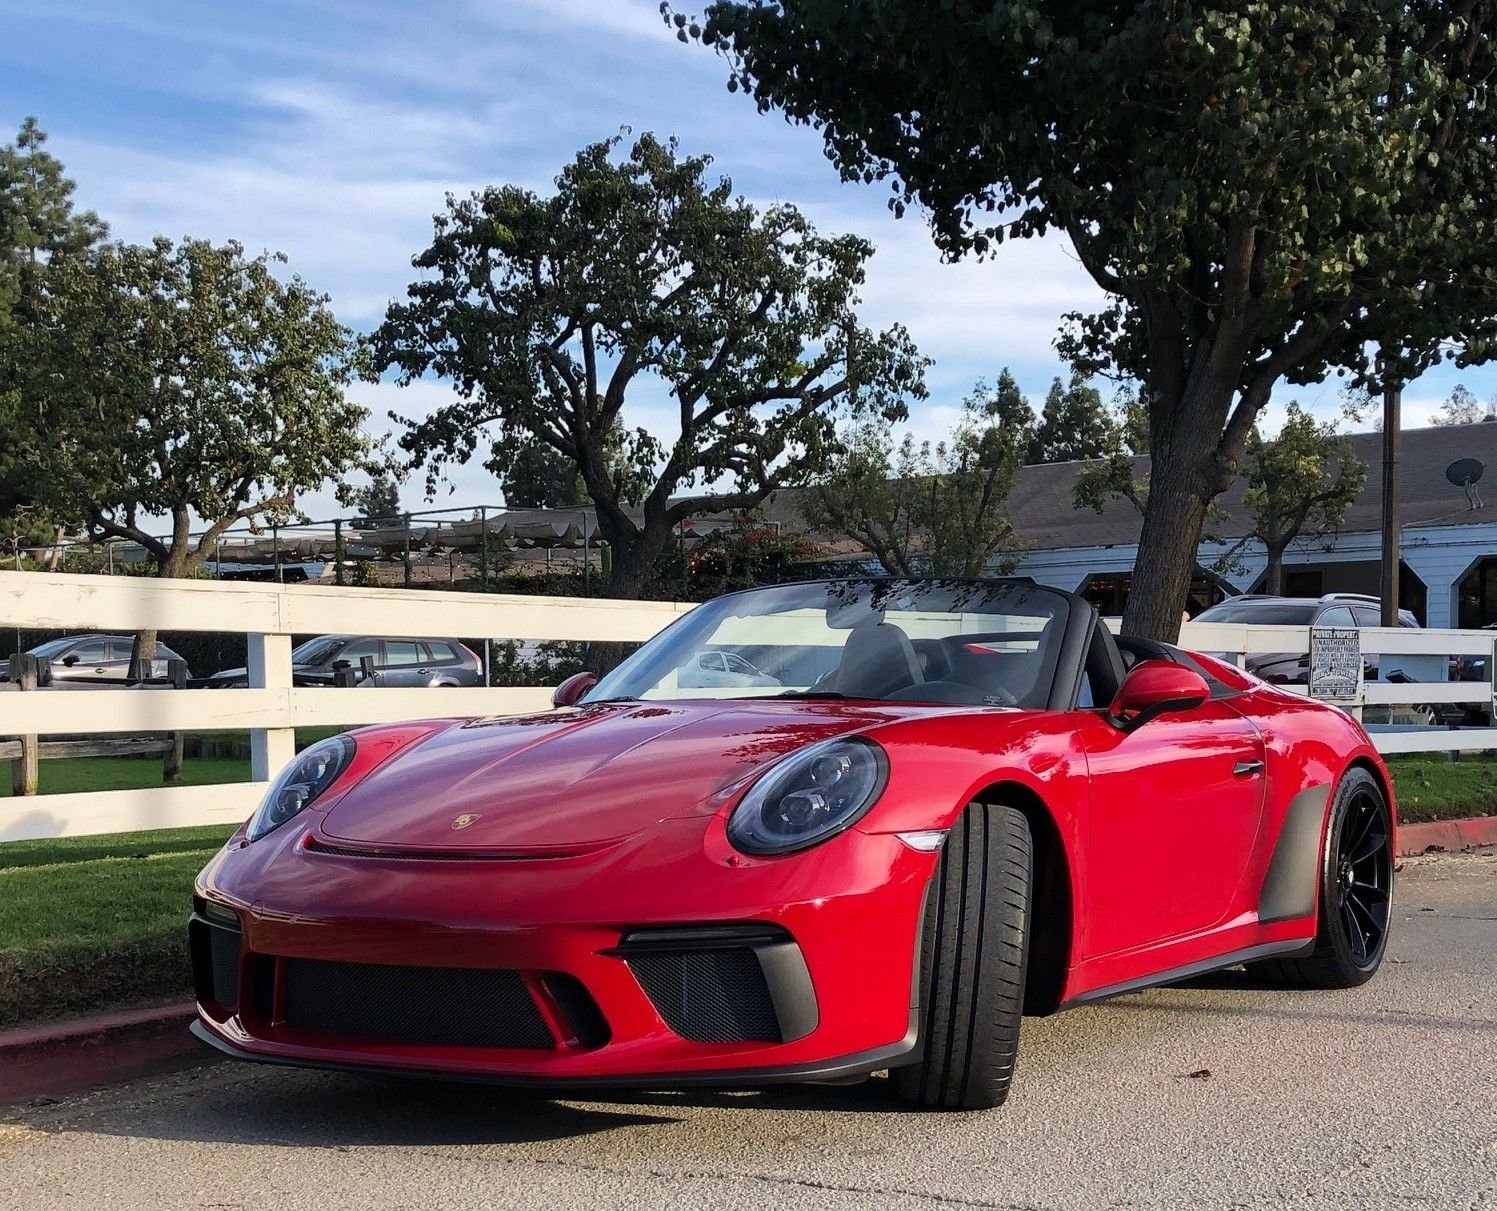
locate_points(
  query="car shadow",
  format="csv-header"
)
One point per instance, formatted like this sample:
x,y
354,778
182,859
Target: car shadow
x,y
228,1103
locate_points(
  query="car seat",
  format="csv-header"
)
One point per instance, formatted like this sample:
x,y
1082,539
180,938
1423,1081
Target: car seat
x,y
877,661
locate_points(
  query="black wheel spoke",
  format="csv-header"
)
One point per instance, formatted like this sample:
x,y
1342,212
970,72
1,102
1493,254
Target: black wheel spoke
x,y
1359,822
1372,928
1372,844
1354,936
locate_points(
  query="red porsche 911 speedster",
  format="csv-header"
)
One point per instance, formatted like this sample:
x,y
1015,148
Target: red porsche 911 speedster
x,y
806,833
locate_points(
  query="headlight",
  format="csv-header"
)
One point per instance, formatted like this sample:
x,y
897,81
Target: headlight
x,y
810,796
314,770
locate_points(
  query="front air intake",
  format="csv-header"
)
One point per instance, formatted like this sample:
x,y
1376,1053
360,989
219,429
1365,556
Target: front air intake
x,y
724,983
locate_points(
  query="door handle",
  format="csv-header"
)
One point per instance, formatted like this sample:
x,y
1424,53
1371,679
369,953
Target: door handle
x,y
1244,769
422,672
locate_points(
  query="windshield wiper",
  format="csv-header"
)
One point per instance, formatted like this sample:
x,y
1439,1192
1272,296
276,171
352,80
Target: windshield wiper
x,y
813,694
607,701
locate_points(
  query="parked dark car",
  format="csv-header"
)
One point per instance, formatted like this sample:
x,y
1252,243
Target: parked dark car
x,y
397,662
99,659
1332,610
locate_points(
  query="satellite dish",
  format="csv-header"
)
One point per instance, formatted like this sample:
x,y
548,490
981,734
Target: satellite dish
x,y
1464,471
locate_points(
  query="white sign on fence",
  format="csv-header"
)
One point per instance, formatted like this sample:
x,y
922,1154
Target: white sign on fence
x,y
1336,664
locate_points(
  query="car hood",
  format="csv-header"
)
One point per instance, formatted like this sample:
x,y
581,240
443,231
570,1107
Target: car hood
x,y
580,778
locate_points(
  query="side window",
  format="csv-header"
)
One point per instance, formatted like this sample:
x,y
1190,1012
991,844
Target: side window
x,y
440,651
1336,616
94,651
359,648
400,652
1367,617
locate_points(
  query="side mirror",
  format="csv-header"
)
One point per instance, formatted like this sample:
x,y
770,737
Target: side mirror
x,y
1154,688
340,664
570,691
70,659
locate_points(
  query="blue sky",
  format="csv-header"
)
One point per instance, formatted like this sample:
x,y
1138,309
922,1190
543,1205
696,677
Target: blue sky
x,y
331,130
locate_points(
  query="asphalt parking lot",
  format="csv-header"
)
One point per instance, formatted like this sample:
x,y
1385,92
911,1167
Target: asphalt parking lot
x,y
1216,1094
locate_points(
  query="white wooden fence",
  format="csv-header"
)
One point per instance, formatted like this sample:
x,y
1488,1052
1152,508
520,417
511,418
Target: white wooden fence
x,y
271,708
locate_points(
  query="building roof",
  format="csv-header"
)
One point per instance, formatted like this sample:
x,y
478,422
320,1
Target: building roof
x,y
1043,512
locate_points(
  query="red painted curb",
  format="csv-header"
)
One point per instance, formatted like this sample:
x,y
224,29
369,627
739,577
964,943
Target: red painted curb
x,y
1415,839
68,1056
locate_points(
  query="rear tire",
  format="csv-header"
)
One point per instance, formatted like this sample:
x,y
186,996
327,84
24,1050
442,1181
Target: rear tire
x,y
1356,892
974,953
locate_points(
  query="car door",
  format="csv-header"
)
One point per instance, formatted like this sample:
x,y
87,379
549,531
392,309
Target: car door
x,y
1175,806
404,664
87,661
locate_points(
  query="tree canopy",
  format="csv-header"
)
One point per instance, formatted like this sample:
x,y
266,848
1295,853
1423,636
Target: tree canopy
x,y
39,229
1299,485
1262,191
1074,424
184,382
1460,408
549,314
930,508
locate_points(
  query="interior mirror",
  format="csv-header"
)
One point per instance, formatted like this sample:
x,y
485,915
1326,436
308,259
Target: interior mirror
x,y
570,691
1154,688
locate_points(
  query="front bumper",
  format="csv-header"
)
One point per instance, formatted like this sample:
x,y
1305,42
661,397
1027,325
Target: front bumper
x,y
674,960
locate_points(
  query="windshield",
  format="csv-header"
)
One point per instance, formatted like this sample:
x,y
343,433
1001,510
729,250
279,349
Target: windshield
x,y
990,643
1278,613
53,646
315,651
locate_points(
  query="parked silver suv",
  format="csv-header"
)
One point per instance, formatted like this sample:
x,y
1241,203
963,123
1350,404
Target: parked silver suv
x,y
396,662
94,659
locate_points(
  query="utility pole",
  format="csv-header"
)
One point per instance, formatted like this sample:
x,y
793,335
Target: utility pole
x,y
1392,445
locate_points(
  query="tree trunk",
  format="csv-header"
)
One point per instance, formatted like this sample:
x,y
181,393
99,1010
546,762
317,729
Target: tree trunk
x,y
1273,580
1167,547
635,559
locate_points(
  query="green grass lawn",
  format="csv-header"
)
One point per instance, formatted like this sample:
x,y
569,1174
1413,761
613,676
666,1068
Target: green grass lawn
x,y
128,773
1434,788
96,922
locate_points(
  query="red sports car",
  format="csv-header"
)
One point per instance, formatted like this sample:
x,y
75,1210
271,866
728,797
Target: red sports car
x,y
926,808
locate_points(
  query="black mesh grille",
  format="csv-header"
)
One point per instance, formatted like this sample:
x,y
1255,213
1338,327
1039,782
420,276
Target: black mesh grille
x,y
453,1006
215,963
709,996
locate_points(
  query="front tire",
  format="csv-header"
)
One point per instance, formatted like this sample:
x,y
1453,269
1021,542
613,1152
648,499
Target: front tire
x,y
1356,891
974,953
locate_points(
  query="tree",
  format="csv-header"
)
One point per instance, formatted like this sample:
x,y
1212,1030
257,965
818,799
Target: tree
x,y
183,383
743,555
1120,470
548,313
39,229
1073,425
1262,191
1299,486
535,476
378,501
1462,408
920,508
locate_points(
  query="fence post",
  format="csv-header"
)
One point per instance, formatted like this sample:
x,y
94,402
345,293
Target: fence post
x,y
25,768
407,555
271,748
483,547
171,761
